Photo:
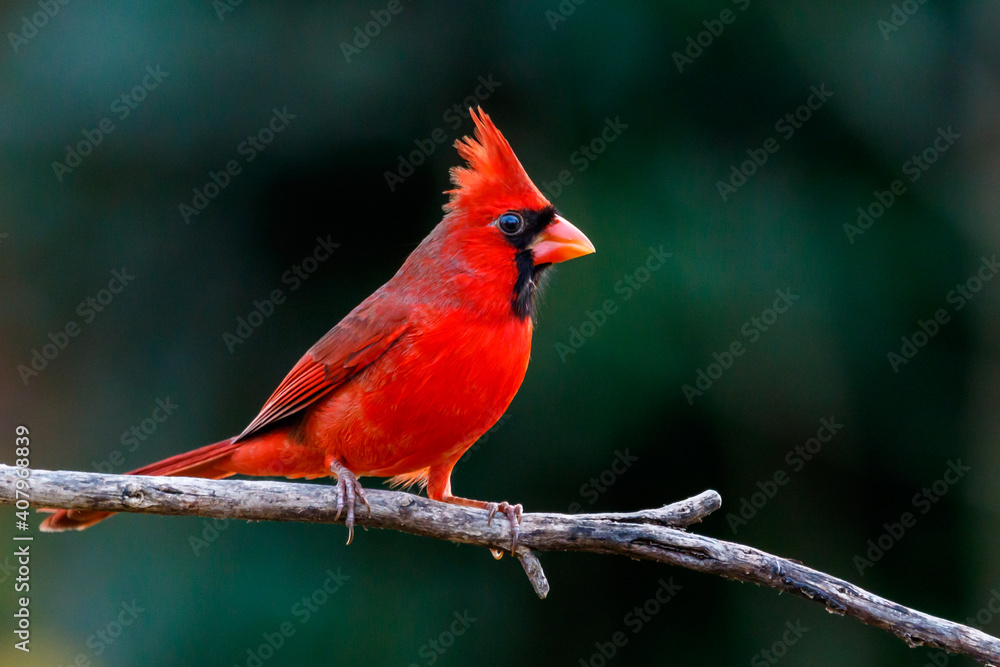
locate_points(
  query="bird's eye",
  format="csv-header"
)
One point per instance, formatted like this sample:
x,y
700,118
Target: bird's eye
x,y
510,223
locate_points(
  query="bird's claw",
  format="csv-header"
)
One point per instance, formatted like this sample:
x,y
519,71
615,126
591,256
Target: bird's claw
x,y
349,491
513,514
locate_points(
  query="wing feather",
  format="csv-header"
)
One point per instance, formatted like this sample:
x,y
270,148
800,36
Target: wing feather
x,y
356,342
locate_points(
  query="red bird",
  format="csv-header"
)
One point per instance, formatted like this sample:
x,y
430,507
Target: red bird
x,y
412,377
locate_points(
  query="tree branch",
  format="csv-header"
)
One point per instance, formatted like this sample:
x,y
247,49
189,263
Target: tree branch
x,y
656,535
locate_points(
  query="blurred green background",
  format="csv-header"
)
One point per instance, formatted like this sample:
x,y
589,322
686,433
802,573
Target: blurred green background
x,y
558,72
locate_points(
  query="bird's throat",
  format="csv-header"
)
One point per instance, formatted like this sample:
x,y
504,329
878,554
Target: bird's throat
x,y
526,285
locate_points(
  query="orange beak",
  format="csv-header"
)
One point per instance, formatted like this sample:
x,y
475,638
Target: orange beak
x,y
559,242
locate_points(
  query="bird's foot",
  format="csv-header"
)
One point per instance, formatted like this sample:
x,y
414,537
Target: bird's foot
x,y
349,490
513,514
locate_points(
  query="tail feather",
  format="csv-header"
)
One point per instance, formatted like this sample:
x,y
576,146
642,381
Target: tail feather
x,y
196,463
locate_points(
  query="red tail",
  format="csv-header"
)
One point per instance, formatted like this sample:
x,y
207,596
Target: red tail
x,y
196,463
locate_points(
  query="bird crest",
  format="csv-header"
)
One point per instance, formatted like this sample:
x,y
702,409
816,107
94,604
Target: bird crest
x,y
494,178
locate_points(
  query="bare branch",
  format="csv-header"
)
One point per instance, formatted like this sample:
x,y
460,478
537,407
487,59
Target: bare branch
x,y
656,535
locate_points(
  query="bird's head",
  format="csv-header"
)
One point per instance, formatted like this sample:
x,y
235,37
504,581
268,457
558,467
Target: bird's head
x,y
505,226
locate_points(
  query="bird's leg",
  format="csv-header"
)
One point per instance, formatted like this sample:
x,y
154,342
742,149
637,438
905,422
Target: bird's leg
x,y
349,489
512,512
439,488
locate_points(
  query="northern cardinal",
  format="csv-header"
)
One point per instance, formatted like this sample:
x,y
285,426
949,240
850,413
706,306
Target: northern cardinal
x,y
412,377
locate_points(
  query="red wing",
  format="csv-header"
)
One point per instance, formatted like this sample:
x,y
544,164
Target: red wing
x,y
357,341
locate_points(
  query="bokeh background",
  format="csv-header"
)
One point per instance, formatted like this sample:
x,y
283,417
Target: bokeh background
x,y
558,72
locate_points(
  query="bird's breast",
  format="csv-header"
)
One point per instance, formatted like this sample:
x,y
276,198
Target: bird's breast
x,y
428,398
